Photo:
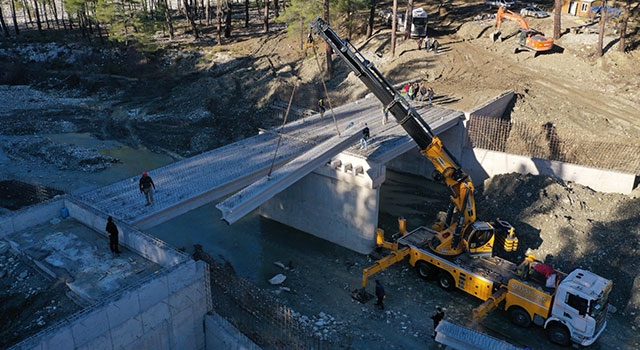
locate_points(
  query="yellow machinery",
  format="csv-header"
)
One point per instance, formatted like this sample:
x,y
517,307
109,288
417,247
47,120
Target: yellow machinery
x,y
574,309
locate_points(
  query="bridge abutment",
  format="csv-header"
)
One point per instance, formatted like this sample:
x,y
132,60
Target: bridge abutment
x,y
347,190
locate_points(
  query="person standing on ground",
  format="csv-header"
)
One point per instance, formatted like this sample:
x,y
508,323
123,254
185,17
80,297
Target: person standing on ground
x,y
435,46
437,317
380,295
147,187
321,108
365,137
427,43
423,92
112,230
430,94
385,115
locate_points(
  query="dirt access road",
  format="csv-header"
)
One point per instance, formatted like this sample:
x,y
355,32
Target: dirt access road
x,y
189,101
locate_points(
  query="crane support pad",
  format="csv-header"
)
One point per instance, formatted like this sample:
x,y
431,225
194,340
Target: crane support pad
x,y
459,337
490,303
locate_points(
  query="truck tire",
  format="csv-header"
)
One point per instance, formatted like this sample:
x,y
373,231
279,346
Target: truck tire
x,y
425,270
445,281
519,317
559,334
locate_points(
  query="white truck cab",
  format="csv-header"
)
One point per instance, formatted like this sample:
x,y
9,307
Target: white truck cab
x,y
418,23
579,312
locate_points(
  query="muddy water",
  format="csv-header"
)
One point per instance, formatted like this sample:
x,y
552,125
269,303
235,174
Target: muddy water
x,y
253,244
132,161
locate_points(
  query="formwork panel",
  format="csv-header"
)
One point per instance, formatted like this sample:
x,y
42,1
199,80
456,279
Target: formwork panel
x,y
153,292
188,325
61,339
90,327
155,316
128,306
127,333
182,277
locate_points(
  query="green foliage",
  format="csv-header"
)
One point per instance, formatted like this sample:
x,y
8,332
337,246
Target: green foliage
x,y
350,9
299,14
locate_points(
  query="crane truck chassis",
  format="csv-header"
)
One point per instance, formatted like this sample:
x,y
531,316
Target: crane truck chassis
x,y
573,309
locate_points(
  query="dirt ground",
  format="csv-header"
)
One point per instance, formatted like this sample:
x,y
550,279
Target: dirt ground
x,y
186,101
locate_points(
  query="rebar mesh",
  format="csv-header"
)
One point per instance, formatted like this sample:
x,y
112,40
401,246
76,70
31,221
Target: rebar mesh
x,y
549,142
255,313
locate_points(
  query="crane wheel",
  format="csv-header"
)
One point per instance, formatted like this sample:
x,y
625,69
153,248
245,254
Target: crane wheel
x,y
445,281
519,317
425,270
559,334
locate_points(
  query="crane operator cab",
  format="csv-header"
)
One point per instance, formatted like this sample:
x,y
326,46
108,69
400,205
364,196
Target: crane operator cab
x,y
477,240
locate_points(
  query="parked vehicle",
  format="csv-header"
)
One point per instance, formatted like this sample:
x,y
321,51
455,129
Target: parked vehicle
x,y
534,11
418,23
504,3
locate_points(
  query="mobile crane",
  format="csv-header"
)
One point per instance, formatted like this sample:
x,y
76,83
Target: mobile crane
x,y
529,38
459,253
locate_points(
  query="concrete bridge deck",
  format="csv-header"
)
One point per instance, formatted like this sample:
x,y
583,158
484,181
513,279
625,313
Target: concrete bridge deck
x,y
193,182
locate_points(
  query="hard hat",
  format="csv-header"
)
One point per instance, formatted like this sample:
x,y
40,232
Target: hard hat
x,y
144,173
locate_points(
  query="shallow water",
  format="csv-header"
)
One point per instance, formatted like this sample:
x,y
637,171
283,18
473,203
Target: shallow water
x,y
253,244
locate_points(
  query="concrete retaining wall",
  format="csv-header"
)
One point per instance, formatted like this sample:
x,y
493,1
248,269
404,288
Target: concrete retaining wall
x,y
347,194
166,312
220,334
148,246
494,107
482,164
30,216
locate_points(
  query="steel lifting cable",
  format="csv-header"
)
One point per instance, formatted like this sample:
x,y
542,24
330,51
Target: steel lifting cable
x,y
326,93
284,121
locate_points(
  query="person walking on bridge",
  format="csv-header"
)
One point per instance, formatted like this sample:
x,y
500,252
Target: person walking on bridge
x,y
365,137
147,187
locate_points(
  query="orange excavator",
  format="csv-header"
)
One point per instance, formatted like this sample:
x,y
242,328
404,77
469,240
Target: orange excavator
x,y
529,38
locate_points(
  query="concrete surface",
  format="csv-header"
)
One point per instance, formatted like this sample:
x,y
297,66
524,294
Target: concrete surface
x,y
150,296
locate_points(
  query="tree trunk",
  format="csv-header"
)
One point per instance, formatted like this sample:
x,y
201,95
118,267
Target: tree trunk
x,y
54,11
14,17
276,8
37,12
167,17
408,19
246,13
325,15
219,17
266,16
372,16
557,15
26,13
227,21
188,13
44,14
5,29
394,27
603,16
626,10
208,12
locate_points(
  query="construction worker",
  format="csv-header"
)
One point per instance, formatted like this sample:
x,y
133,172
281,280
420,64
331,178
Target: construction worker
x,y
385,115
365,137
147,187
437,317
321,108
380,295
